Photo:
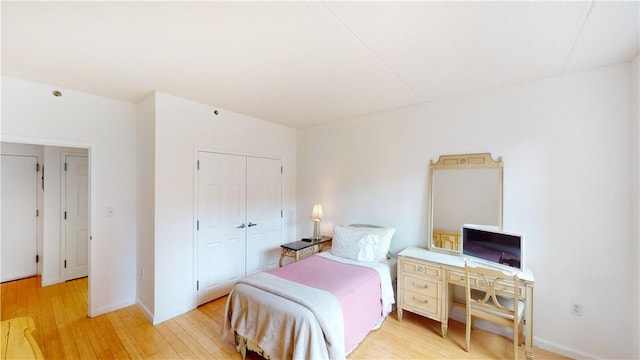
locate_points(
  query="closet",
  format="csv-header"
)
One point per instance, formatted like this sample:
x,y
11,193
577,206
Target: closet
x,y
238,219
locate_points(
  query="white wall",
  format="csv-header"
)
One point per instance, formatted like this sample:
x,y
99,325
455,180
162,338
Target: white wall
x,y
52,272
145,135
181,127
31,114
635,133
53,253
566,148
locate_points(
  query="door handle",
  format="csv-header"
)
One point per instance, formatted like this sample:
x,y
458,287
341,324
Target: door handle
x,y
241,226
251,224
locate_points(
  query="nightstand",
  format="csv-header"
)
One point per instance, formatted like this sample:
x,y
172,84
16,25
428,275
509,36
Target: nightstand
x,y
300,249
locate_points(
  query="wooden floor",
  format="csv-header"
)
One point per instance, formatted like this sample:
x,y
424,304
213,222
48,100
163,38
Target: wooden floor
x,y
64,331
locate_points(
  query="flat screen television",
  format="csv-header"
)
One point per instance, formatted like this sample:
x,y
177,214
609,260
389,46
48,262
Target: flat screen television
x,y
494,246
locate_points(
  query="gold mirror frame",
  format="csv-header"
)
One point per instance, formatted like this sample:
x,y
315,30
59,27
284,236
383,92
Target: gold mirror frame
x,y
449,240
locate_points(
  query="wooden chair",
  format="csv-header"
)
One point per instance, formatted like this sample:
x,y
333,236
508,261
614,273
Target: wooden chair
x,y
493,295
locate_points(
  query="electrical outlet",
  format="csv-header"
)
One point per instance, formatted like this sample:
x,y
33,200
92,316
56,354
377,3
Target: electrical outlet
x,y
576,309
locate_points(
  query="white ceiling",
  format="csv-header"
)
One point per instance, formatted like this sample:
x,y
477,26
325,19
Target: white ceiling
x,y
304,63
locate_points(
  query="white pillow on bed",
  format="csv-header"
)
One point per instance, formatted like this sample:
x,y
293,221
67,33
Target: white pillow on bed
x,y
353,244
385,235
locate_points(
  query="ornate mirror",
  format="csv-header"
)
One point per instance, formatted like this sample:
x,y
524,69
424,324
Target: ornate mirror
x,y
463,189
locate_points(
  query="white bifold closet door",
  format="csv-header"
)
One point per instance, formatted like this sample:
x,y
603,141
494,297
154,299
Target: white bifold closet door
x,y
19,220
238,220
264,214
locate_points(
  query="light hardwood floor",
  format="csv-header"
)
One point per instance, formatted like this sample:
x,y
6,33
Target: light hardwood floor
x,y
64,331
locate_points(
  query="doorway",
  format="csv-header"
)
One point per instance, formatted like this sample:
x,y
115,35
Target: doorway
x,y
52,230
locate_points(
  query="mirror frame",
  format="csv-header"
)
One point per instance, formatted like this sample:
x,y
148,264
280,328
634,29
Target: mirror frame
x,y
459,162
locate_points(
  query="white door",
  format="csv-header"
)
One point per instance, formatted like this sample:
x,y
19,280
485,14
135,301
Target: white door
x,y
19,220
76,222
264,217
221,207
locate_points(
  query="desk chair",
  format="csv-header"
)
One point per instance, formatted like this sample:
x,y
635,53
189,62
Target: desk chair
x,y
490,295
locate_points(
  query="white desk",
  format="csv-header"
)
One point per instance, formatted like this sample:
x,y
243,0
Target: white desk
x,y
426,281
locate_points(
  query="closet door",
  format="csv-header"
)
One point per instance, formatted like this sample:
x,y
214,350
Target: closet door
x,y
264,217
221,204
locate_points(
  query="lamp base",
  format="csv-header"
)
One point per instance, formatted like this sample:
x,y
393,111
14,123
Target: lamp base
x,y
316,230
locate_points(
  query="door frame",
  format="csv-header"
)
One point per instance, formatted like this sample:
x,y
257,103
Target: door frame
x,y
93,258
196,150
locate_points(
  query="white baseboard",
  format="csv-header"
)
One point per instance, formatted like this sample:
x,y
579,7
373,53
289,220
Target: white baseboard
x,y
112,307
459,314
47,282
157,319
562,350
145,310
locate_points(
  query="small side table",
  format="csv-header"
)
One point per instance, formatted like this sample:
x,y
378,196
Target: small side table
x,y
300,249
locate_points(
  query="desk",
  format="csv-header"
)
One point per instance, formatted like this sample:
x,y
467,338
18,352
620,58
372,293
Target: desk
x,y
300,249
426,281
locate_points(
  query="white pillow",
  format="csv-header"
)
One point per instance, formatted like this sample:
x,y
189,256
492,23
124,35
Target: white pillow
x,y
385,235
353,244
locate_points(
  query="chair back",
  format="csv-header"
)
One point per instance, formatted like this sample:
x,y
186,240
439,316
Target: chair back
x,y
495,296
492,285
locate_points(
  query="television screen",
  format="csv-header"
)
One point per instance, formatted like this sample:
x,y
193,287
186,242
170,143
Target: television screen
x,y
492,245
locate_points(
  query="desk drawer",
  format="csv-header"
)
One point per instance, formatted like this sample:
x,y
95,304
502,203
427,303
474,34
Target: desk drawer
x,y
421,269
455,277
505,288
421,303
422,286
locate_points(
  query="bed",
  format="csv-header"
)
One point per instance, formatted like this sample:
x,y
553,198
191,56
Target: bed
x,y
320,307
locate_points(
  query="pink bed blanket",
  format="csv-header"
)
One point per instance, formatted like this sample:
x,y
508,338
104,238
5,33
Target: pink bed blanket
x,y
357,289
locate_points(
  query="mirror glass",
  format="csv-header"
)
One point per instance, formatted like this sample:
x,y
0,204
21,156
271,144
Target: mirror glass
x,y
465,189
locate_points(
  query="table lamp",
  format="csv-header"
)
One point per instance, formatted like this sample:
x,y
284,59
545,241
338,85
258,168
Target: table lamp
x,y
316,215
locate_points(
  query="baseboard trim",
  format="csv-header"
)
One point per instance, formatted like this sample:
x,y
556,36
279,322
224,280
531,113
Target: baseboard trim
x,y
459,314
145,310
562,350
47,282
113,307
157,319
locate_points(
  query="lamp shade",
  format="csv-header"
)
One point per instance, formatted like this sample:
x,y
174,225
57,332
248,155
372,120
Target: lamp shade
x,y
316,213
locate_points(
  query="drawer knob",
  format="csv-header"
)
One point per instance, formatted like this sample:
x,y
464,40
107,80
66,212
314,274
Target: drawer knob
x,y
426,286
420,268
426,301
